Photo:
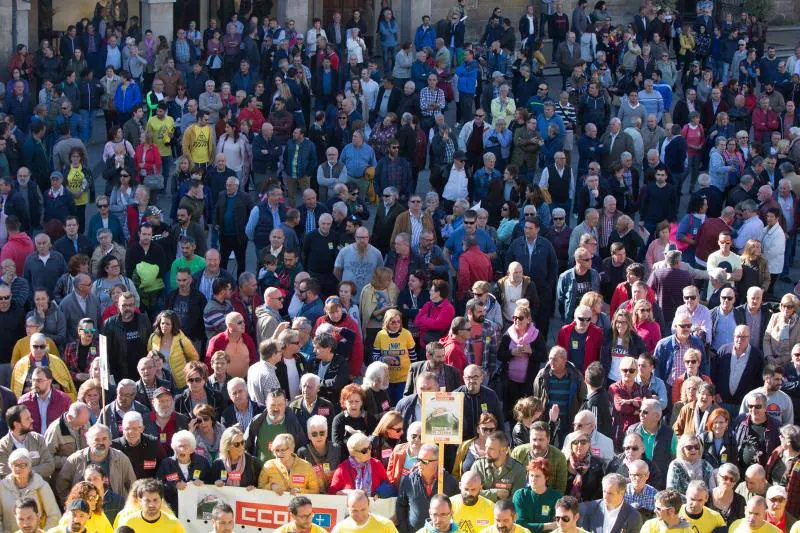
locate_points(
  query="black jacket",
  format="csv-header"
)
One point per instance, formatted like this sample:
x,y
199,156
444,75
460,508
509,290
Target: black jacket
x,y
337,374
241,212
592,488
15,205
599,403
394,99
283,376
751,377
662,452
183,403
536,360
141,392
452,379
413,500
145,456
67,249
122,364
250,472
486,401
13,329
170,474
228,417
290,422
195,329
740,317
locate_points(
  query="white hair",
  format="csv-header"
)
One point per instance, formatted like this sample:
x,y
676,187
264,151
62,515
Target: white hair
x,y
309,377
183,436
377,372
132,417
358,441
316,421
20,453
233,382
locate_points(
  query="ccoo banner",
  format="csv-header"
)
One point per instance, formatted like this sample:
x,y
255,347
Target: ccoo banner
x,y
261,511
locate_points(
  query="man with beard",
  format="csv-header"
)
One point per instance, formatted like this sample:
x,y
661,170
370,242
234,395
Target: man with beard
x,y
188,303
21,434
143,450
447,375
540,447
187,258
302,518
127,334
478,399
414,496
163,422
505,518
357,262
77,514
42,394
26,515
501,475
471,511
117,465
276,419
150,518
185,227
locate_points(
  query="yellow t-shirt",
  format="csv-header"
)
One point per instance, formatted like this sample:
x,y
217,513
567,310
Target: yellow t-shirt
x,y
394,351
74,182
518,529
741,526
98,523
165,524
708,522
471,519
375,524
162,131
654,525
199,149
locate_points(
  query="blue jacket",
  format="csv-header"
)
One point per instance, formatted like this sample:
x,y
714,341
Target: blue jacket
x,y
664,355
543,124
413,500
388,32
74,122
246,83
541,266
113,224
60,207
468,77
20,110
306,160
498,62
425,37
419,74
125,100
567,291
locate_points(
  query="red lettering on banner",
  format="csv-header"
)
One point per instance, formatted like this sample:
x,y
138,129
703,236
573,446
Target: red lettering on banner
x,y
270,516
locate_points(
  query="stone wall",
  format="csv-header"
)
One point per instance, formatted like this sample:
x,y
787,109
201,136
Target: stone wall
x,y
6,45
786,12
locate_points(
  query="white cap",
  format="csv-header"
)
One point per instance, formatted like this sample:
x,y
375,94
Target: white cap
x,y
776,491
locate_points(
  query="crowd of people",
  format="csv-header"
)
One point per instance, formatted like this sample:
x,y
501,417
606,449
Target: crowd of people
x,y
601,268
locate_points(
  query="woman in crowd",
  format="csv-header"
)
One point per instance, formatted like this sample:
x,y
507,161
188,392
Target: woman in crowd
x,y
347,291
169,340
655,250
90,393
287,472
353,418
234,467
376,386
623,342
783,332
434,319
78,355
688,465
626,398
693,417
54,324
77,264
632,450
184,467
386,436
723,498
377,297
236,150
24,482
109,274
584,469
522,350
321,453
112,502
475,448
648,329
527,410
197,391
146,157
536,503
336,316
755,269
395,346
688,395
360,471
207,431
121,197
98,522
782,463
717,440
594,301
412,299
404,455
79,181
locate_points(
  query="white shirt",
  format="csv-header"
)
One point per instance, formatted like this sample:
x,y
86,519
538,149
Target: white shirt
x,y
610,518
738,363
293,376
751,229
456,186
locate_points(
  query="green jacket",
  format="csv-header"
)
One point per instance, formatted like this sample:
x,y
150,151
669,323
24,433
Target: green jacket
x,y
556,459
512,476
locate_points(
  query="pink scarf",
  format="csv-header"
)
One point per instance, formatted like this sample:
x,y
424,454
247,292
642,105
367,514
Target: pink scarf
x,y
518,366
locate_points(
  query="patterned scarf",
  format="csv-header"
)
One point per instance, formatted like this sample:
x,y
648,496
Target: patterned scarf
x,y
235,469
578,466
363,478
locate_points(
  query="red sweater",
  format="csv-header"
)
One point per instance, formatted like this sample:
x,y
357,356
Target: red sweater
x,y
434,317
473,265
357,355
344,477
695,139
621,296
149,160
594,341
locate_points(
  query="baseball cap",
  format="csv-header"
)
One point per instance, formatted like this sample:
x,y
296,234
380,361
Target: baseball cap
x,y
78,505
776,491
56,174
161,390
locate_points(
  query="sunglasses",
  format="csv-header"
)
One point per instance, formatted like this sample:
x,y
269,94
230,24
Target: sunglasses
x,y
102,206
426,461
564,519
315,434
631,448
727,297
195,380
684,326
690,297
38,346
397,430
628,370
582,319
756,407
237,444
517,318
363,450
4,298
691,447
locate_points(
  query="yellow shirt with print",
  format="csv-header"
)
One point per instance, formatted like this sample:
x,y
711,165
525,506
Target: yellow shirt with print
x,y
162,131
394,351
375,524
655,525
472,518
741,526
199,148
165,524
709,521
75,179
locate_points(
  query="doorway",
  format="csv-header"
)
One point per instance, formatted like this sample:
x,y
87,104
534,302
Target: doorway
x,y
345,7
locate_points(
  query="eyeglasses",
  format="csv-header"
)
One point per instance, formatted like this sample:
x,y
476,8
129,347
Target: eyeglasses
x,y
691,447
628,370
558,218
315,434
237,444
564,519
684,326
387,195
582,319
487,429
102,206
580,443
397,430
469,222
757,407
480,116
517,318
691,297
631,448
38,346
426,461
195,380
729,479
4,298
726,297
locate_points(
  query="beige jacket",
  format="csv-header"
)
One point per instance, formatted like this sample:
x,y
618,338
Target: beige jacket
x,y
41,457
120,474
39,490
61,441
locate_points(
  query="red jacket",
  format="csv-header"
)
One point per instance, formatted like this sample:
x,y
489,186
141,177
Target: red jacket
x,y
149,160
764,123
621,296
594,341
220,342
18,248
239,307
59,404
434,317
454,354
357,355
344,477
256,118
473,265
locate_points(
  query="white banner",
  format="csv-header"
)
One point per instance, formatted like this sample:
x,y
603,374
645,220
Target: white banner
x,y
259,510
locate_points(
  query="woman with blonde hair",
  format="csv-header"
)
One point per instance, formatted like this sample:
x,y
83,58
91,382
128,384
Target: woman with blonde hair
x,y
755,268
522,348
98,522
623,342
594,301
395,346
377,297
688,389
646,327
234,467
688,465
90,392
287,472
169,340
783,332
387,435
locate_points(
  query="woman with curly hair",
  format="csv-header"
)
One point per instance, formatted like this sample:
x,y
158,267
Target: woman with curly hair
x,y
98,522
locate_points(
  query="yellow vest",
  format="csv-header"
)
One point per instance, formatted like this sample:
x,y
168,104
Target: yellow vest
x,y
57,367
